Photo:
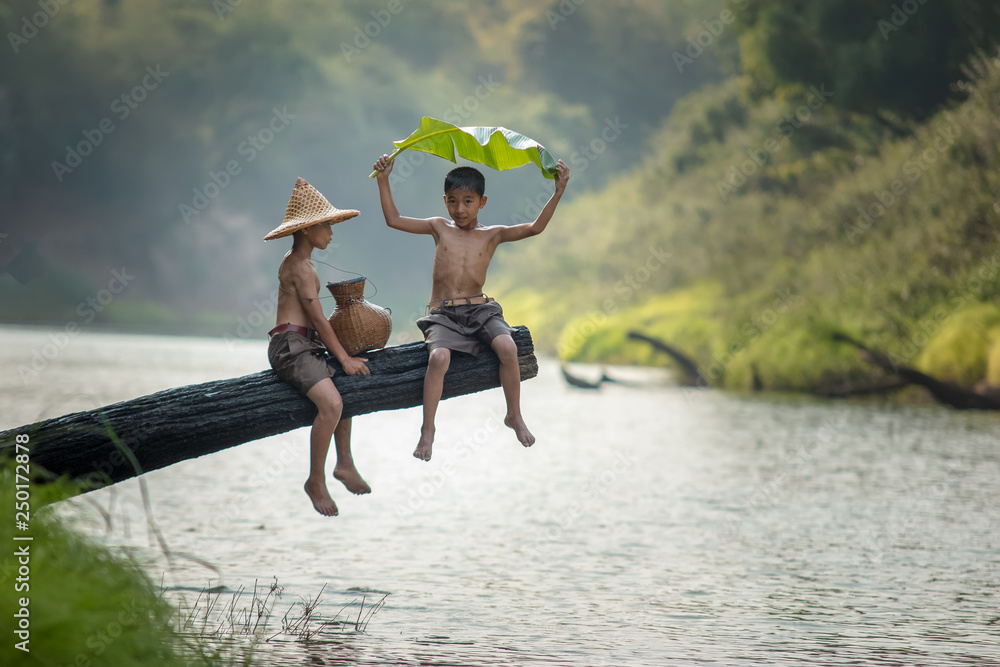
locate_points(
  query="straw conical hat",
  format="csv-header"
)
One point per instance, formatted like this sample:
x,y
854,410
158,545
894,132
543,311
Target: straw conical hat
x,y
308,207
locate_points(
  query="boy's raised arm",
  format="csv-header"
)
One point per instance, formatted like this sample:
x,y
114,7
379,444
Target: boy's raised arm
x,y
392,217
523,231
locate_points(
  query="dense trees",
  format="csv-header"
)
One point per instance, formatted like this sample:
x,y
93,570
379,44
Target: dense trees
x,y
812,193
899,57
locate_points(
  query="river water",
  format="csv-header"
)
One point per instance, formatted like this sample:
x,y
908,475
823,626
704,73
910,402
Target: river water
x,y
649,525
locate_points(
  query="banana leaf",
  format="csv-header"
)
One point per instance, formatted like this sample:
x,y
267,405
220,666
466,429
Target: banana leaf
x,y
495,147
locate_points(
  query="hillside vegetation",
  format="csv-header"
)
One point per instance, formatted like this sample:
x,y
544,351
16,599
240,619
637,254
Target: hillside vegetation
x,y
763,223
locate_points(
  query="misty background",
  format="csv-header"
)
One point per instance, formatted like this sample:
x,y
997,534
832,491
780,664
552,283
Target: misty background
x,y
278,90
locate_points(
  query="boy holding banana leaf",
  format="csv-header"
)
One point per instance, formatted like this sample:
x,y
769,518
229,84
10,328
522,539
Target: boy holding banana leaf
x,y
461,317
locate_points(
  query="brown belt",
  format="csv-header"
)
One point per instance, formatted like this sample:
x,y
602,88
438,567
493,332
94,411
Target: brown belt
x,y
305,331
462,301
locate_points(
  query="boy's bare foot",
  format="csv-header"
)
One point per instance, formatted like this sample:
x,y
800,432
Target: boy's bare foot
x,y
423,450
522,432
320,497
351,478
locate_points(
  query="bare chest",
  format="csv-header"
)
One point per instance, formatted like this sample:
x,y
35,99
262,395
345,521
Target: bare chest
x,y
465,247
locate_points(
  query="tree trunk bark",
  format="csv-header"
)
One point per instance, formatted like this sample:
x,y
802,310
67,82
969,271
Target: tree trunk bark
x,y
692,376
126,439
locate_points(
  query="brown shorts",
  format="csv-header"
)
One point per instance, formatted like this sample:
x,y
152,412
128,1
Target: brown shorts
x,y
297,360
465,328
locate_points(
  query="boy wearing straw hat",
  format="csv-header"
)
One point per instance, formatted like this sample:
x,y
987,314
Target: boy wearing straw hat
x,y
461,317
298,345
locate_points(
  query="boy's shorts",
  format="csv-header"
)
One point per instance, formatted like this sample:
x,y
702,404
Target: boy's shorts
x,y
297,360
465,328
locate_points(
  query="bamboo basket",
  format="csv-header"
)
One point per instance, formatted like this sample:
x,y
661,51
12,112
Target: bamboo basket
x,y
359,324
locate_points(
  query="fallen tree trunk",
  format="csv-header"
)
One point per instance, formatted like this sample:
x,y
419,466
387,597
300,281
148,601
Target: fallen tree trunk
x,y
579,382
692,376
871,389
949,393
126,439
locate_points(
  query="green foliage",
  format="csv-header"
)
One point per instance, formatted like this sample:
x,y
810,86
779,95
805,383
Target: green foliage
x,y
993,358
900,57
961,350
730,339
84,600
543,312
495,147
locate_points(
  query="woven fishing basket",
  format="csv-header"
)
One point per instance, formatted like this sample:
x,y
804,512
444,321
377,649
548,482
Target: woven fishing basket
x,y
359,324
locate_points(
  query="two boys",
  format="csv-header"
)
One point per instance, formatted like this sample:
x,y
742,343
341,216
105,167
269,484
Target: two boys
x,y
461,317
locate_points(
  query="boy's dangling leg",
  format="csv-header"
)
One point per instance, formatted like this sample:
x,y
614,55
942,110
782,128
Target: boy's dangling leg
x,y
510,380
437,365
345,471
329,406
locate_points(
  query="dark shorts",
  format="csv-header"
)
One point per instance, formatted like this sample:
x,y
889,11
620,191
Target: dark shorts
x,y
297,360
465,328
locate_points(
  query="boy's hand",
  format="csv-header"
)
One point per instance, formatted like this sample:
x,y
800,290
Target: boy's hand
x,y
562,178
355,366
383,166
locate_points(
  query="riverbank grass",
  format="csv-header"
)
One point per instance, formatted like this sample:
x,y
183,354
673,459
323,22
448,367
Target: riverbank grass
x,y
87,605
